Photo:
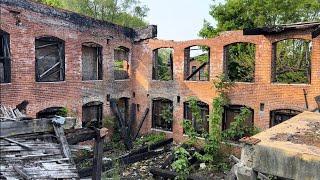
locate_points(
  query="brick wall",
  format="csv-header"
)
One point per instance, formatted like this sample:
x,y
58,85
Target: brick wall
x,y
73,93
274,96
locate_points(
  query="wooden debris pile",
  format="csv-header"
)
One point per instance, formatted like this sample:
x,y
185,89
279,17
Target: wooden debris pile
x,y
30,150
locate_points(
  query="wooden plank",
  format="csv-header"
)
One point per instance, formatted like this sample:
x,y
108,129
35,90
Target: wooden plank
x,y
11,128
21,173
80,135
97,159
63,142
141,123
16,142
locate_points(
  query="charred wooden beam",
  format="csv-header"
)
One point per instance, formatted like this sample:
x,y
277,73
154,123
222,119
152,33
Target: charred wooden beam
x,y
97,159
151,147
79,135
141,123
121,124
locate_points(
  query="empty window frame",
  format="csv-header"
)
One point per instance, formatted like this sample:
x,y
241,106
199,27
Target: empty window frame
x,y
50,59
280,115
162,68
92,114
198,115
91,61
292,61
5,60
231,111
121,63
162,114
239,63
197,63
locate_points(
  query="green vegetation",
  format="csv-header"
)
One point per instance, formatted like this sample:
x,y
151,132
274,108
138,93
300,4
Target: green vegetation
x,y
215,153
293,57
163,60
167,113
241,62
63,112
239,128
129,13
151,139
241,14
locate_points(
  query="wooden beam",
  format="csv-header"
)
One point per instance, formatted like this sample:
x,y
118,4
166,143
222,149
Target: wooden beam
x,y
18,143
21,173
141,123
63,142
75,136
12,128
97,159
196,71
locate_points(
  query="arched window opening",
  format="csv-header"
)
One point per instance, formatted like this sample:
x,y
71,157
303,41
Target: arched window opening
x,y
52,112
198,114
121,63
92,114
50,59
280,115
239,63
162,114
5,59
197,63
231,111
162,68
92,61
292,61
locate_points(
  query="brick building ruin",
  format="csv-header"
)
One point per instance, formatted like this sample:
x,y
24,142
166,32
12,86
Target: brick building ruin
x,y
54,58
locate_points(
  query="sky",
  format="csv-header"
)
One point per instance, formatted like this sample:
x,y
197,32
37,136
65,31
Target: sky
x,y
178,19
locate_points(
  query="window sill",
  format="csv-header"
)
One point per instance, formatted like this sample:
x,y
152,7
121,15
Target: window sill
x,y
100,80
169,81
122,80
249,83
161,130
5,83
186,81
284,84
55,82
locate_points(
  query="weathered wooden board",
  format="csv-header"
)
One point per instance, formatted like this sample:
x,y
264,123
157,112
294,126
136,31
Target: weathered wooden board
x,y
11,128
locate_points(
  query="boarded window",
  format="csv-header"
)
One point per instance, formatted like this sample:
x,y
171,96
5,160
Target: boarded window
x,y
240,62
196,63
200,123
162,68
291,61
91,61
92,114
5,61
281,115
50,60
162,114
231,111
121,63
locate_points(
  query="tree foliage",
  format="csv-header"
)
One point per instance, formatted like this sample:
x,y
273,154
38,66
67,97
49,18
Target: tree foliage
x,y
240,14
129,13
